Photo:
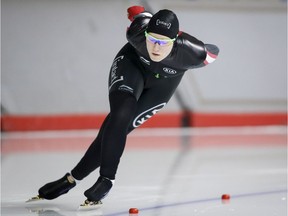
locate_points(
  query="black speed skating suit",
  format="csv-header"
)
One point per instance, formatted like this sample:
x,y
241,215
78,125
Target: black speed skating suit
x,y
138,89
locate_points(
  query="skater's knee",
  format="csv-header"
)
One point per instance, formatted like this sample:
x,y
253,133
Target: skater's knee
x,y
122,106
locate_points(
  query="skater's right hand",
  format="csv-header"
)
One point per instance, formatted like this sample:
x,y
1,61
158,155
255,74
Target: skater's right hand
x,y
133,11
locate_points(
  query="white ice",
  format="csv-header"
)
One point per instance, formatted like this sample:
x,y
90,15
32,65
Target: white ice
x,y
163,172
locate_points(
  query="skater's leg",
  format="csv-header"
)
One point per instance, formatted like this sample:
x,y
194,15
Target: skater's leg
x,y
89,162
126,82
92,158
122,109
123,106
126,115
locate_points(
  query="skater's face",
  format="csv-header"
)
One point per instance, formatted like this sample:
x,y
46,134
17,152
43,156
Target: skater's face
x,y
158,46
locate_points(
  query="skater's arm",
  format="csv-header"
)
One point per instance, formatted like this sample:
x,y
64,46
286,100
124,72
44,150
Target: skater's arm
x,y
194,52
140,19
212,52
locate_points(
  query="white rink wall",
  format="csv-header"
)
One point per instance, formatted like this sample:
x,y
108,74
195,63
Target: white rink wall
x,y
56,55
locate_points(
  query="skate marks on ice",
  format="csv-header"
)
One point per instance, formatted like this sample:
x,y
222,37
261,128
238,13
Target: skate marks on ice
x,y
198,206
205,206
42,208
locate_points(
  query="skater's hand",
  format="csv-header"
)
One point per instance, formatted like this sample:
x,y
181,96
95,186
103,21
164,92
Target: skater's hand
x,y
133,11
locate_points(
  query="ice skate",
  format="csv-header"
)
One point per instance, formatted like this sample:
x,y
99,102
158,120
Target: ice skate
x,y
90,205
35,198
55,189
96,193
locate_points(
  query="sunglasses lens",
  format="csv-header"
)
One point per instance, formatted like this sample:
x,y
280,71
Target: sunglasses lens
x,y
151,39
162,42
154,40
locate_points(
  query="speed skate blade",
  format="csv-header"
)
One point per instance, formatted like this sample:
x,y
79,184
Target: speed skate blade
x,y
90,205
35,198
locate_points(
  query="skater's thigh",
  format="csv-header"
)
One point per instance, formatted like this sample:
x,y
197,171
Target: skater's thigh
x,y
153,99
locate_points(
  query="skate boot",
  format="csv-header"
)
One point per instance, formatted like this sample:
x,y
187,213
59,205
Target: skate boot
x,y
99,190
54,189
